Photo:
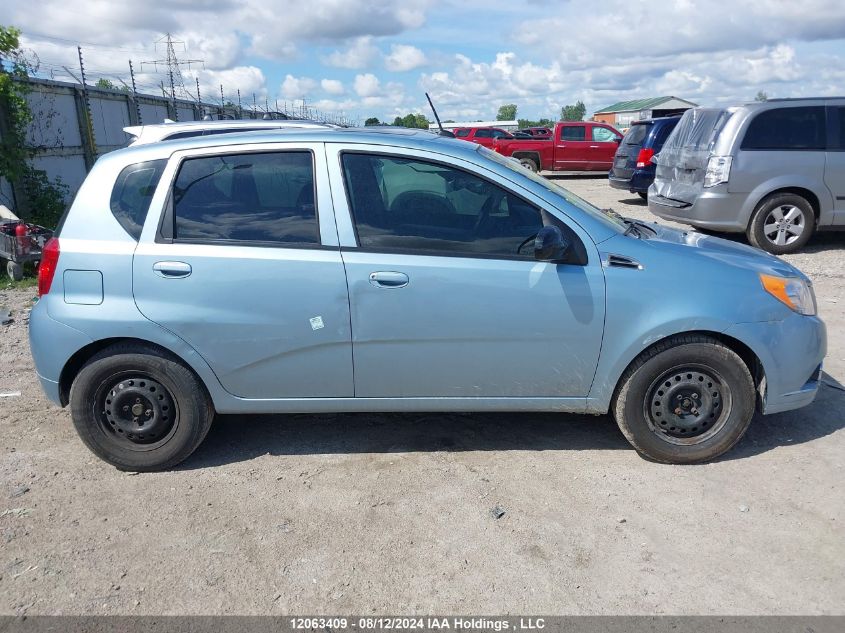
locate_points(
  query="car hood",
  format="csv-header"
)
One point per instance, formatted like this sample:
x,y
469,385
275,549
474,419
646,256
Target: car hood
x,y
718,250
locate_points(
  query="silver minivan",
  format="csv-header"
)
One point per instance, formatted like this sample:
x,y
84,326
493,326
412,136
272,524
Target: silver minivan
x,y
774,170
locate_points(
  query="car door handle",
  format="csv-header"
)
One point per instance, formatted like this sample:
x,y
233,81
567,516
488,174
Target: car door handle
x,y
594,146
388,279
172,270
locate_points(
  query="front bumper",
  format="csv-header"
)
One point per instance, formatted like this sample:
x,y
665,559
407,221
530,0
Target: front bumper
x,y
714,210
791,353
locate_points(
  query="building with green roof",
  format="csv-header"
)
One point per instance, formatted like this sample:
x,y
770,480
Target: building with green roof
x,y
623,113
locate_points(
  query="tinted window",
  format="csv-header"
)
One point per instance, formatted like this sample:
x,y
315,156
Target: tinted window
x,y
636,134
787,128
501,134
462,132
603,135
662,133
839,113
484,134
247,197
133,191
414,206
572,133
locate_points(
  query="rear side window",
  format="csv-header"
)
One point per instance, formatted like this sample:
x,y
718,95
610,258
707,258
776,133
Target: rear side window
x,y
636,134
787,128
262,197
462,132
132,193
572,133
484,134
839,114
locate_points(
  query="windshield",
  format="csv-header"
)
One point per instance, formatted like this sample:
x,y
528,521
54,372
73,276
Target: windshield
x,y
607,216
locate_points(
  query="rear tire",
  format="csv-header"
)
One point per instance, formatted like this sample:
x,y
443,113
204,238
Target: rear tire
x,y
529,163
782,223
139,410
686,400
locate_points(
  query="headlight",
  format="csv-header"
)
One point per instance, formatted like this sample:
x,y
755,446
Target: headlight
x,y
794,292
718,170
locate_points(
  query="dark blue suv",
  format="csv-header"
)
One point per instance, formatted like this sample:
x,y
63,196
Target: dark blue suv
x,y
632,167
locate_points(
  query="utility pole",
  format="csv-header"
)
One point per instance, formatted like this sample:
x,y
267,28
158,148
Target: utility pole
x,y
173,68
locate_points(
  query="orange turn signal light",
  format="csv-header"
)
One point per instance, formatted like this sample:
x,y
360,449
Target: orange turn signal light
x,y
776,286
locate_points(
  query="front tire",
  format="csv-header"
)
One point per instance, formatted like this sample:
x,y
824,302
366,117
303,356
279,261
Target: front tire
x,y
139,410
687,400
782,224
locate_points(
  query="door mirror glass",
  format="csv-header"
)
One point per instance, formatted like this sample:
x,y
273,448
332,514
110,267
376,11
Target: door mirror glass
x,y
551,245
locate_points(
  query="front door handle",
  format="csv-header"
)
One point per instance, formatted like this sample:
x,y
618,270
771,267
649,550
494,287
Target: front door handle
x,y
594,146
388,279
172,270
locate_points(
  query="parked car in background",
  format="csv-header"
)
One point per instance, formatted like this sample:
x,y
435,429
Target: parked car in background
x,y
538,132
520,134
485,136
575,146
632,168
773,170
172,130
218,275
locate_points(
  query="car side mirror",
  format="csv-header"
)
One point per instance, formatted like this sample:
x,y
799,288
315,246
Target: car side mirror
x,y
551,245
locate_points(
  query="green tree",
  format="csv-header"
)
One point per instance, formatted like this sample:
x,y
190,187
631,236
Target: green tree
x,y
105,83
38,199
761,96
422,121
524,123
573,112
411,120
397,121
507,112
372,121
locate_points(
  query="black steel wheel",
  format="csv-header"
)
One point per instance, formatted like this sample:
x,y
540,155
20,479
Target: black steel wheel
x,y
139,409
687,399
136,411
688,404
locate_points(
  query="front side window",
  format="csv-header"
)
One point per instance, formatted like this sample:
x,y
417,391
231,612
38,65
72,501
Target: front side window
x,y
409,205
261,197
462,132
603,135
572,133
132,193
787,128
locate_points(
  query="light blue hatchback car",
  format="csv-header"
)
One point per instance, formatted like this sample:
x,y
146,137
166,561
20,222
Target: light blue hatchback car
x,y
332,270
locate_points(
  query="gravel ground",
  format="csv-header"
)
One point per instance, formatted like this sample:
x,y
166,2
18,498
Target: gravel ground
x,y
398,513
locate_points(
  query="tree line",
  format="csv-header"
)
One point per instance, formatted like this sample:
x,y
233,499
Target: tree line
x,y
507,112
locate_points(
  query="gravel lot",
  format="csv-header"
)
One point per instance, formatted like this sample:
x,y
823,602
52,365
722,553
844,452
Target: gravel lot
x,y
364,514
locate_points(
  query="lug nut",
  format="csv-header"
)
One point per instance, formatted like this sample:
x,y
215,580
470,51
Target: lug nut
x,y
148,412
126,409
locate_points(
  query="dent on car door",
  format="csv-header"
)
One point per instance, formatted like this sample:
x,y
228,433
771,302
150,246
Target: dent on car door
x,y
446,298
244,270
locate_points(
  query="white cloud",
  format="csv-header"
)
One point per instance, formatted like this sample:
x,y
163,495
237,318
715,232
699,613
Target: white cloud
x,y
404,57
297,87
332,86
360,54
366,85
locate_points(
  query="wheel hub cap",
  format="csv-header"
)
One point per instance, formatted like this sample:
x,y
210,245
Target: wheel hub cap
x,y
685,403
139,410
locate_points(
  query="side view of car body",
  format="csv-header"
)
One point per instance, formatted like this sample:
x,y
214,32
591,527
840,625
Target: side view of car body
x,y
369,270
773,170
575,146
633,169
484,136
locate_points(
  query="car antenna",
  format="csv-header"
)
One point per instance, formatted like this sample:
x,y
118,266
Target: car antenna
x,y
437,118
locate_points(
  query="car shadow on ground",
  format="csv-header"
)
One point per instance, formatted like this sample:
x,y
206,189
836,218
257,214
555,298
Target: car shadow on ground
x,y
236,438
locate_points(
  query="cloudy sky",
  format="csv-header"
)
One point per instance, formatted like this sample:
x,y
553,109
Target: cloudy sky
x,y
377,58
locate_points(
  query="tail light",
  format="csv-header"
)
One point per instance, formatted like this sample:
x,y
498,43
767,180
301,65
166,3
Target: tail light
x,y
48,265
644,157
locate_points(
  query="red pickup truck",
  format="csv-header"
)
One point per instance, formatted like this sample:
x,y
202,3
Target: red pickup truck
x,y
574,146
485,136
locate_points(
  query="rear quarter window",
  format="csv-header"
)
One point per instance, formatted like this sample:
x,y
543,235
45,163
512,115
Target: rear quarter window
x,y
636,134
801,128
132,193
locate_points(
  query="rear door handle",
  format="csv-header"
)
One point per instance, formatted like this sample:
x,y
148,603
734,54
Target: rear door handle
x,y
388,279
594,146
172,270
